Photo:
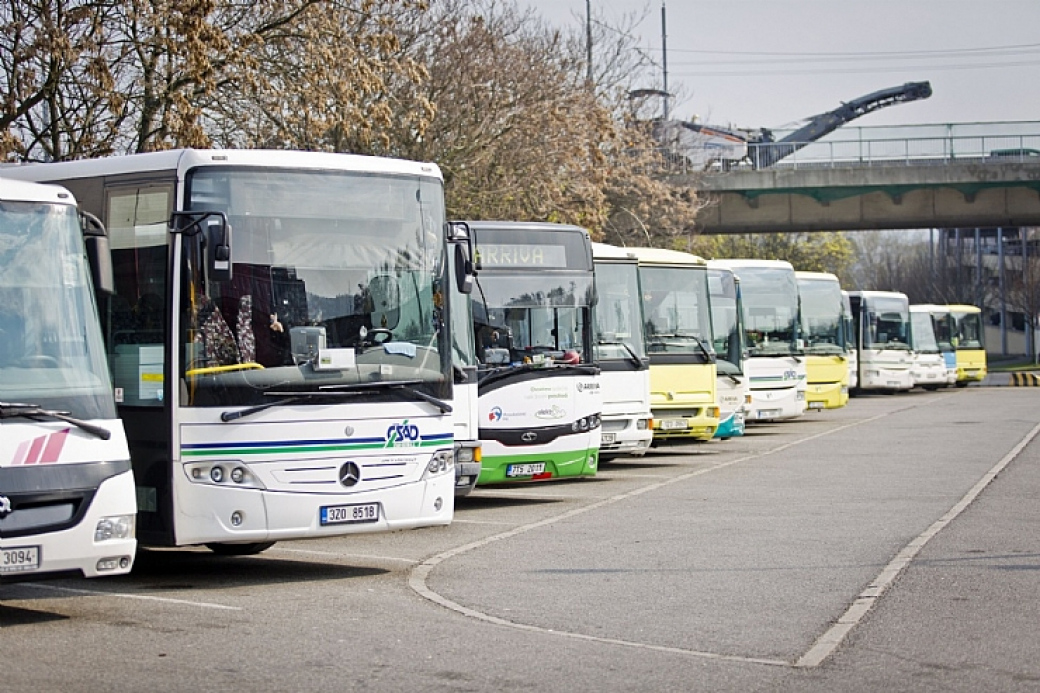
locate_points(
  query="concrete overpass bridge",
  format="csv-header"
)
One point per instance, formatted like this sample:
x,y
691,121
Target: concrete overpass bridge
x,y
953,180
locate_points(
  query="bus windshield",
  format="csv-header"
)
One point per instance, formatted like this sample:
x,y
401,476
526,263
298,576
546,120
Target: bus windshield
x,y
922,333
968,331
619,328
51,350
330,268
677,311
887,323
534,296
822,316
770,297
726,323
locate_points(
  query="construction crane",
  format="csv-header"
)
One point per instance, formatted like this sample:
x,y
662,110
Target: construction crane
x,y
706,145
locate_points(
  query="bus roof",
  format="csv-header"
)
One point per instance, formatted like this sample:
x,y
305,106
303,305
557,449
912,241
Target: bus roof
x,y
748,262
181,160
21,191
817,276
661,256
526,226
602,251
878,294
963,308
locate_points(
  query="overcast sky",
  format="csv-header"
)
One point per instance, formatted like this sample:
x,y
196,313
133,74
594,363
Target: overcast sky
x,y
772,63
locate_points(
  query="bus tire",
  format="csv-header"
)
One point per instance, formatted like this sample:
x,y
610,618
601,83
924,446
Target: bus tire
x,y
240,549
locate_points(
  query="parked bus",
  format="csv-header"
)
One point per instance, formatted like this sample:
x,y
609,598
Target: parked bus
x,y
968,337
464,363
772,324
540,398
67,502
849,334
621,354
941,321
727,322
881,320
929,368
677,316
293,383
823,334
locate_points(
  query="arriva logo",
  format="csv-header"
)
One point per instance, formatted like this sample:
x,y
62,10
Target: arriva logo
x,y
402,435
495,414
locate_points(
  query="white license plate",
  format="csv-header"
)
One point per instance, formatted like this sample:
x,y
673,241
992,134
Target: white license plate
x,y
768,413
529,469
816,405
20,559
894,383
349,514
933,375
673,424
607,439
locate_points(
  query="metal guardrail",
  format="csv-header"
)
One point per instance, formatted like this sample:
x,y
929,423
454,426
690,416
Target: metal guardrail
x,y
921,145
902,151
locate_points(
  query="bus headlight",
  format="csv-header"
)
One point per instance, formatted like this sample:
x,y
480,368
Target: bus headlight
x,y
442,461
225,474
115,527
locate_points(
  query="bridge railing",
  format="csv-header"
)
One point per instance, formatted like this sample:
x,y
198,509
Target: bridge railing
x,y
895,151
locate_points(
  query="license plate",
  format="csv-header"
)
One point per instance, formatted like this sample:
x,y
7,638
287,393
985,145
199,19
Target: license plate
x,y
673,424
933,375
20,560
349,514
768,413
525,469
816,405
607,439
893,383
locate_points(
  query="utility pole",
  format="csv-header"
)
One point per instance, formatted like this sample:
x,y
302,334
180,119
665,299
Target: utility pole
x,y
664,57
588,42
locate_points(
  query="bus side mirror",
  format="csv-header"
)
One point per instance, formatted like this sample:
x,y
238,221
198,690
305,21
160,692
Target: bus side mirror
x,y
218,251
460,236
216,239
99,253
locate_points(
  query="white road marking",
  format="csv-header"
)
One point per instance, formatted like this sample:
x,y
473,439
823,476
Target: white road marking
x,y
829,641
123,595
419,575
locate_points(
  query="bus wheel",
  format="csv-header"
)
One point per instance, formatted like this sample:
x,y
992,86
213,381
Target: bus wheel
x,y
240,549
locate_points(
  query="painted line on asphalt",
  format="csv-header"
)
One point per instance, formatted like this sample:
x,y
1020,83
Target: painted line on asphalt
x,y
420,574
333,554
124,595
827,643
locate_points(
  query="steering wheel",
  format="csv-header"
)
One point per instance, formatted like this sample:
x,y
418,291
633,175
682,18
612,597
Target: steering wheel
x,y
386,335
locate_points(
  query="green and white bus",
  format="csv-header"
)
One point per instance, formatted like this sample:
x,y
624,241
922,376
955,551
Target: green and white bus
x,y
540,401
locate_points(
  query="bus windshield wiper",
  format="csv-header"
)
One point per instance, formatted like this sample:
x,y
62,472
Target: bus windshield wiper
x,y
632,356
398,386
10,410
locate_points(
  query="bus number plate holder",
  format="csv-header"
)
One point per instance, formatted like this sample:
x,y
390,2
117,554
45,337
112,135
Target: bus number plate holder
x,y
673,424
608,439
529,469
20,559
349,514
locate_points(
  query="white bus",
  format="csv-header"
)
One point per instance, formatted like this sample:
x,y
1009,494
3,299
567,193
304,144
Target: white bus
x,y
289,379
67,502
464,365
881,320
929,368
849,333
727,319
540,399
939,319
772,323
621,354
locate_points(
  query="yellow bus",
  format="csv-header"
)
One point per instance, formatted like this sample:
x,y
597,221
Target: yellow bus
x,y
826,355
967,335
677,315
